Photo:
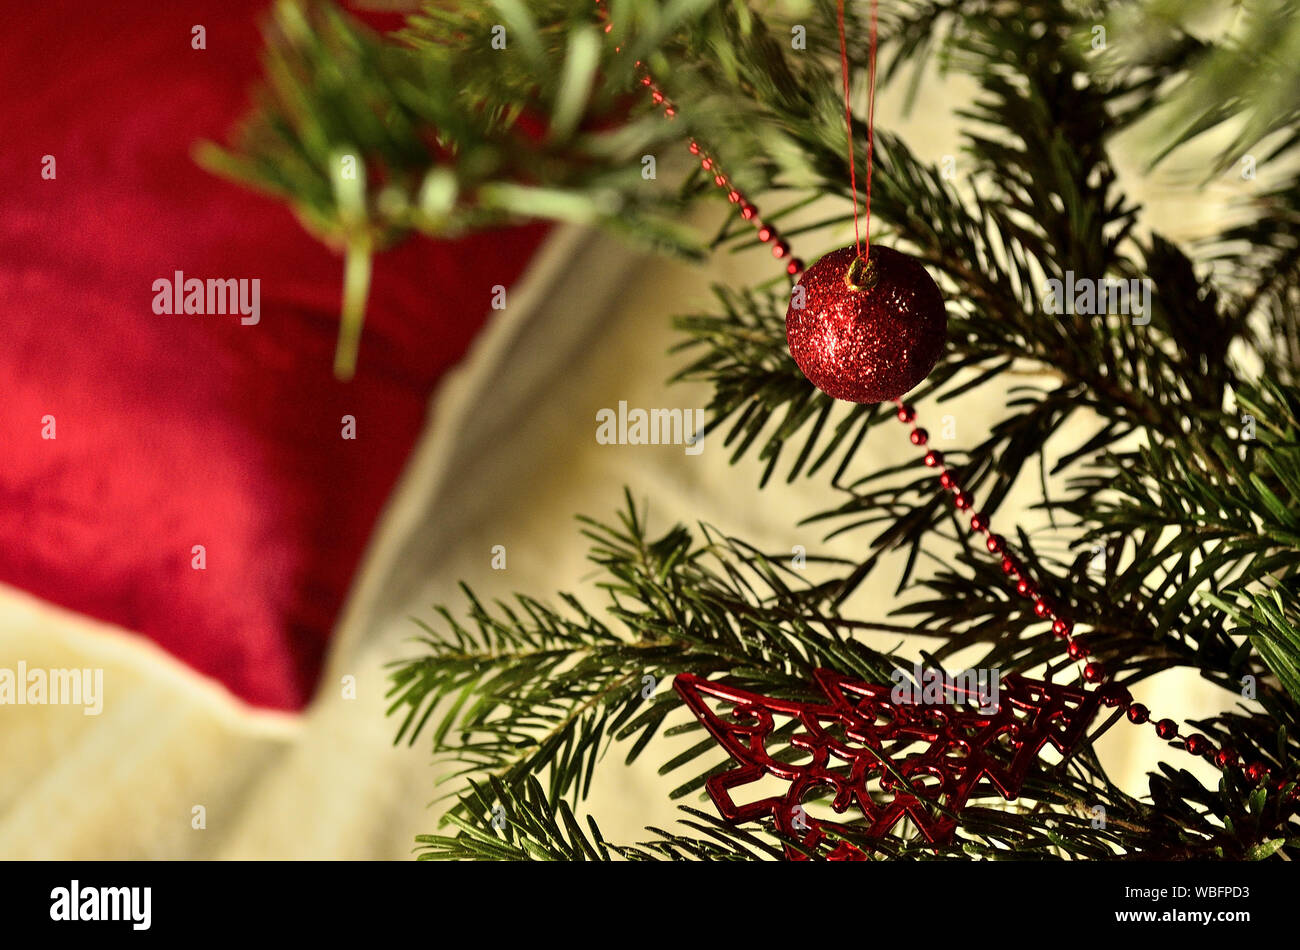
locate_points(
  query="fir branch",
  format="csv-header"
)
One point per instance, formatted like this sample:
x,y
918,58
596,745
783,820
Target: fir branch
x,y
533,691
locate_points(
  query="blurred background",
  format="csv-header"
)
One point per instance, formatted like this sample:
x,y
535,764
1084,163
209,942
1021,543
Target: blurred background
x,y
243,703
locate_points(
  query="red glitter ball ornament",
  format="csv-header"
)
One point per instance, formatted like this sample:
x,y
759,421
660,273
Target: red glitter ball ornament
x,y
866,331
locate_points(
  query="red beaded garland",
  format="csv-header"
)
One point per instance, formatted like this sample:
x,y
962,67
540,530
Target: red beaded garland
x,y
781,249
1063,627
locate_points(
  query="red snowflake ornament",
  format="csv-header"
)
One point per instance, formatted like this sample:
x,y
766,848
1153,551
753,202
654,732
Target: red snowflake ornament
x,y
890,760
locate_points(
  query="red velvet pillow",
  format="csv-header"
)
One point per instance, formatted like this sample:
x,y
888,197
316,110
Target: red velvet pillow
x,y
171,431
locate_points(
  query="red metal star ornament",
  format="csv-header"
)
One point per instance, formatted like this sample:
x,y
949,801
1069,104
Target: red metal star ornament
x,y
887,759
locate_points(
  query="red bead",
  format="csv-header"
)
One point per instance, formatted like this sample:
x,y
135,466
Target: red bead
x,y
906,413
996,544
765,234
748,211
946,480
657,96
1137,713
933,459
670,111
780,249
1024,588
919,437
1094,672
733,196
1041,608
1008,566
1197,744
695,147
1257,772
1062,627
645,81
1167,729
719,181
1114,698
706,163
978,522
1225,758
1077,650
794,267
962,501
